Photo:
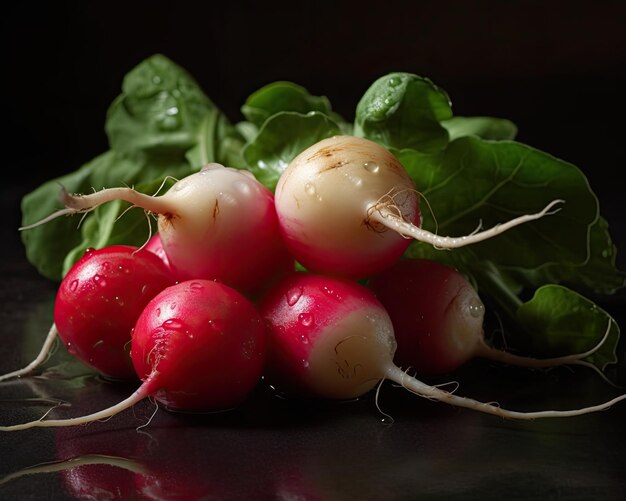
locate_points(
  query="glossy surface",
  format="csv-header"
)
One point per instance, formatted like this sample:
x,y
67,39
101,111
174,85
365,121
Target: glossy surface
x,y
272,448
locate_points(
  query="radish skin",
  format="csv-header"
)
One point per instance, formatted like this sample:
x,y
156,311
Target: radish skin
x,y
347,207
217,224
438,320
198,346
97,305
331,338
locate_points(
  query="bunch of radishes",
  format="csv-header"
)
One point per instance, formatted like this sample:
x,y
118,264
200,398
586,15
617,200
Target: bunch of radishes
x,y
213,303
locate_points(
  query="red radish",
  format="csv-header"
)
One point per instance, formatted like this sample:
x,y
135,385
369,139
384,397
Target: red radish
x,y
155,246
331,338
217,224
97,305
337,200
438,319
197,346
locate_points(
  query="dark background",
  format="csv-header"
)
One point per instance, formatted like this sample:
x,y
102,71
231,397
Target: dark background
x,y
557,68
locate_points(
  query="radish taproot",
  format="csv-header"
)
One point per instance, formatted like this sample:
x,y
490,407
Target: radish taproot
x,y
337,200
97,305
438,320
219,224
198,346
329,337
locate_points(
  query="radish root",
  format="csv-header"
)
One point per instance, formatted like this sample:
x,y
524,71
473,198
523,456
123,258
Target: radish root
x,y
383,213
44,354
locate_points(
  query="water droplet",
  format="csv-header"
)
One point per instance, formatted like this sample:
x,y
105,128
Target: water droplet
x,y
294,295
476,307
119,300
173,306
173,324
89,250
394,82
242,187
387,420
99,279
74,285
372,167
158,312
304,338
216,325
196,286
106,265
305,319
310,188
331,293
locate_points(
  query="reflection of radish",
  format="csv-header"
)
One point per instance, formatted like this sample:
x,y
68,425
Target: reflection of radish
x,y
197,346
332,338
182,464
438,319
218,224
97,305
338,199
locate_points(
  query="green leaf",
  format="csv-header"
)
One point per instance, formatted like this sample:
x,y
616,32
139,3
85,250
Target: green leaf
x,y
475,181
159,111
598,274
282,137
402,110
485,127
282,96
559,321
151,126
217,141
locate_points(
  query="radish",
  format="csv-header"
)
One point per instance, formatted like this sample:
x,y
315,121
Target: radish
x,y
438,319
97,305
337,200
197,346
218,224
155,246
331,338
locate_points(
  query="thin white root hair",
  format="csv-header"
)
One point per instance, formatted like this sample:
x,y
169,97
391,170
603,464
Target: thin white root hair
x,y
162,185
387,418
430,392
137,396
147,423
383,214
41,358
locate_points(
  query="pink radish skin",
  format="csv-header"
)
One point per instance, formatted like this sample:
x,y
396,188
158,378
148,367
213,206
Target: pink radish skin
x,y
217,224
198,346
438,320
347,207
331,338
155,246
98,303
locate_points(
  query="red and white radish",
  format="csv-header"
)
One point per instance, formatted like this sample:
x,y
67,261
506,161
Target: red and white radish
x,y
198,346
97,305
331,338
217,224
438,319
338,199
